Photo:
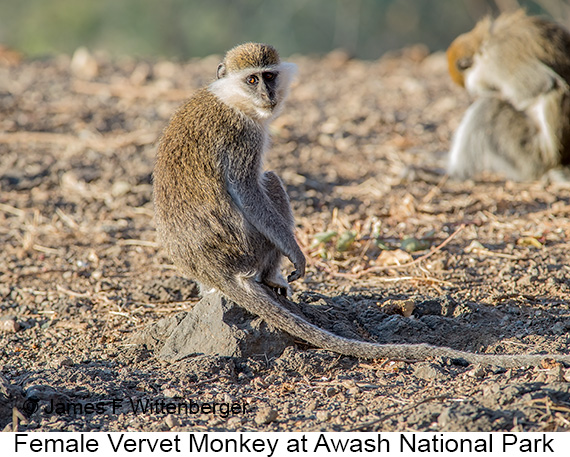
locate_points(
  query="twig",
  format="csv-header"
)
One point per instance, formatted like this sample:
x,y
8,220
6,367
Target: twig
x,y
132,242
67,219
501,255
404,265
386,362
12,210
205,381
45,249
408,408
123,314
414,278
72,293
435,189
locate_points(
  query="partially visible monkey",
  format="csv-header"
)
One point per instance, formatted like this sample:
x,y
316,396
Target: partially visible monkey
x,y
227,224
519,67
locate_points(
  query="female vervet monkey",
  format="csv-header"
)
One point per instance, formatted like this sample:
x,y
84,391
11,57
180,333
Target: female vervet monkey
x,y
519,68
227,224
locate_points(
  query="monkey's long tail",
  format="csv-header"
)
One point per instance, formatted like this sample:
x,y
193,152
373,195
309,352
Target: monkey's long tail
x,y
254,298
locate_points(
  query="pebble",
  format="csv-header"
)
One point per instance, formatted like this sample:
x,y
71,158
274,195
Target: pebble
x,y
83,64
354,391
265,416
427,372
559,328
234,422
331,391
59,362
172,393
477,372
172,421
65,362
120,188
323,416
311,406
9,325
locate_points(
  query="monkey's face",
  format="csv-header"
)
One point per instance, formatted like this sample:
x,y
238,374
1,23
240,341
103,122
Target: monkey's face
x,y
462,52
262,86
257,92
460,56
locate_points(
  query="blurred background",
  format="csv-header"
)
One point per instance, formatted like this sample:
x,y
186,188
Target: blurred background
x,y
183,29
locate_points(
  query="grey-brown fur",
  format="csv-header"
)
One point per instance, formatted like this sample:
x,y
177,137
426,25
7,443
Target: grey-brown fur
x,y
227,224
524,63
495,136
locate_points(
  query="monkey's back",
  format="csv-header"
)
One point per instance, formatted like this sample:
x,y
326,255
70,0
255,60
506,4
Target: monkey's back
x,y
196,219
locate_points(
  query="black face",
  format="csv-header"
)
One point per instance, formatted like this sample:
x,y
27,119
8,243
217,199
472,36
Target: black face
x,y
264,84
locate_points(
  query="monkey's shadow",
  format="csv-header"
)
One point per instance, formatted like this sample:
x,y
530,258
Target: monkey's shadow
x,y
216,326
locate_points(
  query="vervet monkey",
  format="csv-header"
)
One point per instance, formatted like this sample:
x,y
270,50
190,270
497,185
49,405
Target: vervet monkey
x,y
518,67
227,224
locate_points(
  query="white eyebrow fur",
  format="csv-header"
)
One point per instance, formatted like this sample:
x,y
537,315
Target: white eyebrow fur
x,y
230,90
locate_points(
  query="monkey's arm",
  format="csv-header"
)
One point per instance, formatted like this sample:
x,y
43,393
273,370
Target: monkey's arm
x,y
257,208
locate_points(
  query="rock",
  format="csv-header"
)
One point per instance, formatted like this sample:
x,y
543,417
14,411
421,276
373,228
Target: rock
x,y
172,421
311,406
83,64
558,328
354,390
10,396
323,416
234,422
477,372
428,372
9,324
556,374
173,393
214,326
61,362
265,416
120,188
331,391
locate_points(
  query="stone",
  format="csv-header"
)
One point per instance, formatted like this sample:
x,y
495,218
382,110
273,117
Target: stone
x,y
265,416
9,325
323,416
214,326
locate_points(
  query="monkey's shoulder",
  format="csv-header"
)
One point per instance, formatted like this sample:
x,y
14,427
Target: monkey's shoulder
x,y
205,108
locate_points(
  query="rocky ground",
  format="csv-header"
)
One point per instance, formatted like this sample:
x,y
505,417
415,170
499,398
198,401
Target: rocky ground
x,y
397,253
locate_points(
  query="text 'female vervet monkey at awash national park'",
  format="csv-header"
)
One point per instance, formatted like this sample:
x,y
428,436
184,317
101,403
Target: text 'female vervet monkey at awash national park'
x,y
518,68
227,224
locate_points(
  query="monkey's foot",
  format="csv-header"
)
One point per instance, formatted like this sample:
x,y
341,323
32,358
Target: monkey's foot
x,y
281,291
277,287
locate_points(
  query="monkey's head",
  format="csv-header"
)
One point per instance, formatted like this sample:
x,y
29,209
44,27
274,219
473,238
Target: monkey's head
x,y
253,79
462,50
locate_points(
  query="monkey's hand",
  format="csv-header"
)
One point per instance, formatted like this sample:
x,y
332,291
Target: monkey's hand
x,y
298,260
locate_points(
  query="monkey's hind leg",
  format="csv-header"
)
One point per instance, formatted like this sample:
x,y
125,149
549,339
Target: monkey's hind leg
x,y
270,271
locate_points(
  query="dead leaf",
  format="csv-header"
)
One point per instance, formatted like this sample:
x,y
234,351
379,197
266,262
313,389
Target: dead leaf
x,y
395,257
406,207
530,241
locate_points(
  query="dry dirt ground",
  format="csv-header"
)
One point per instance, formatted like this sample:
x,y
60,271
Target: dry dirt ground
x,y
361,147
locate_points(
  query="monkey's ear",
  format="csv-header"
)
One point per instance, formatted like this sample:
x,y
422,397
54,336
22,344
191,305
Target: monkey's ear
x,y
221,71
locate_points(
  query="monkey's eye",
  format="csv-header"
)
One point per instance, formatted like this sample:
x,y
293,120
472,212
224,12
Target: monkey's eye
x,y
269,76
464,63
252,80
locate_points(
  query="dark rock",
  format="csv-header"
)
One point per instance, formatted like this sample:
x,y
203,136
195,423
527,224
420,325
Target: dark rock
x,y
214,326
